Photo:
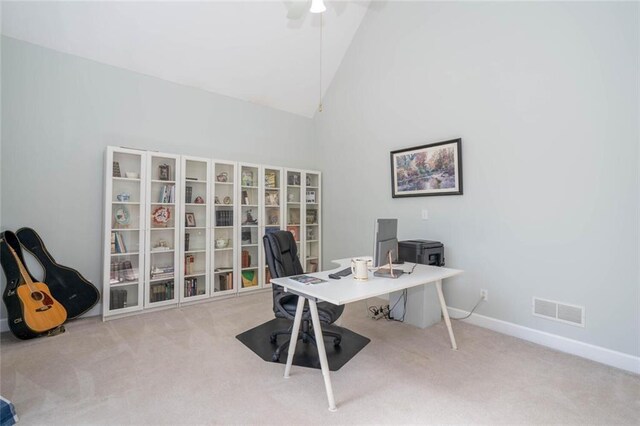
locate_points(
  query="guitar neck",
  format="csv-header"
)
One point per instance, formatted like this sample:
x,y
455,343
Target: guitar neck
x,y
23,271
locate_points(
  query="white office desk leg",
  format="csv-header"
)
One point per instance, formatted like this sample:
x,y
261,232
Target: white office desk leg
x,y
294,335
445,314
322,354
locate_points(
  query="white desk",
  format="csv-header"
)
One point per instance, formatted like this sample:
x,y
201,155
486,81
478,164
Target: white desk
x,y
347,290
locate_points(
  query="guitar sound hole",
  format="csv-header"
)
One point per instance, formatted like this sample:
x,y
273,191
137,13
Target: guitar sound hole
x,y
37,296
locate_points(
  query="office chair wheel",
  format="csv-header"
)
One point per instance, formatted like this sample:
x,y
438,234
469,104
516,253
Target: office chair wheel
x,y
336,341
275,357
273,339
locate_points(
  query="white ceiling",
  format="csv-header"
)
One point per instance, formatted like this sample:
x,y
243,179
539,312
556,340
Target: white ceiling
x,y
247,50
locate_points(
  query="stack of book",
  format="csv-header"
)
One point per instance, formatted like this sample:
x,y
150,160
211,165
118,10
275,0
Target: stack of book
x,y
159,272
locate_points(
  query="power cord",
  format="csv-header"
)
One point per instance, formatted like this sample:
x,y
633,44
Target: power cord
x,y
472,310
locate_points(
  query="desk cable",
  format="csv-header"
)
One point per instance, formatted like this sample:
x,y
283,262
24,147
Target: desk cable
x,y
472,310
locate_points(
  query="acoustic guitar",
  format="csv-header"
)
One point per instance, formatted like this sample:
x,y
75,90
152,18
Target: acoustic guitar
x,y
66,284
40,311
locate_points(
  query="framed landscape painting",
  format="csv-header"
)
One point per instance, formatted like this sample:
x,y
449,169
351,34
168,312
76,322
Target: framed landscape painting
x,y
434,169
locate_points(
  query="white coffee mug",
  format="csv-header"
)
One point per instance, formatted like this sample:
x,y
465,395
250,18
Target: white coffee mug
x,y
360,268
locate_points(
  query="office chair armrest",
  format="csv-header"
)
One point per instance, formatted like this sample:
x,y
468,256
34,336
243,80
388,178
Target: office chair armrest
x,y
280,300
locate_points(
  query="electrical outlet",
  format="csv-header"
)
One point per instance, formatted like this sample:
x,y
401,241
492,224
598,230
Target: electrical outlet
x,y
484,293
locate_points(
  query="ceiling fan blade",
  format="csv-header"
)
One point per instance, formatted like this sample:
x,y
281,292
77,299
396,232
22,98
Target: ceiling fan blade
x,y
296,9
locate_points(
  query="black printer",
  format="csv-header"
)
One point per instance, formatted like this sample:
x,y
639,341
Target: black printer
x,y
421,251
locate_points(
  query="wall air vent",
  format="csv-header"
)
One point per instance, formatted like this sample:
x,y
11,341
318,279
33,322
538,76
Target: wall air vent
x,y
557,311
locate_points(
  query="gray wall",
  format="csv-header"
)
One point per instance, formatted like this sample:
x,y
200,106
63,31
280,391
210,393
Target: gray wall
x,y
545,98
59,112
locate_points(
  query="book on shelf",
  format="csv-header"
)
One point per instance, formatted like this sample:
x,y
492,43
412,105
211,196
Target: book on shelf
x,y
191,287
189,261
115,243
187,194
186,241
117,298
249,278
168,194
161,291
224,217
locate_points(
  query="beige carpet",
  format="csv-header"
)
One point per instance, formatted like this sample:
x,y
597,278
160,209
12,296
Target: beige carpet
x,y
185,366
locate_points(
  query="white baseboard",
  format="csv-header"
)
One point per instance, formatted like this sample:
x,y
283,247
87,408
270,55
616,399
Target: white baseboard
x,y
585,350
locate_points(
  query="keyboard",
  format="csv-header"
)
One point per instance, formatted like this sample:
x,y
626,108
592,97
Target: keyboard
x,y
343,273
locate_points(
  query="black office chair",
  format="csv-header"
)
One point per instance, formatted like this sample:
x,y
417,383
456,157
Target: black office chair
x,y
282,258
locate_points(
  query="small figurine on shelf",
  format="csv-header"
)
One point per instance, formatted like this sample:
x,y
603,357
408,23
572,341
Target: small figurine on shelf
x,y
249,220
216,200
199,200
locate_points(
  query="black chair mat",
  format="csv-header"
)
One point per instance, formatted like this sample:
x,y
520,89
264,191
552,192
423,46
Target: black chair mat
x,y
257,339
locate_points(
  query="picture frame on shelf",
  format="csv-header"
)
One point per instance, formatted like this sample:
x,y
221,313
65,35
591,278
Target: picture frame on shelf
x,y
272,198
270,179
312,217
293,179
190,220
294,216
311,196
164,172
247,178
427,170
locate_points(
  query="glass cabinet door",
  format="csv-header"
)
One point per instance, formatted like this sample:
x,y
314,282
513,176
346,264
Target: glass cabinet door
x,y
294,206
273,217
162,253
249,226
312,222
195,229
124,231
223,239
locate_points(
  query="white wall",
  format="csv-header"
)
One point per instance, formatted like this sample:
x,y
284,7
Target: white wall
x,y
545,98
59,112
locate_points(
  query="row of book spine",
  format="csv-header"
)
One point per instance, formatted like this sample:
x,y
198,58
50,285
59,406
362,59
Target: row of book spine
x,y
191,287
225,281
161,291
117,243
224,217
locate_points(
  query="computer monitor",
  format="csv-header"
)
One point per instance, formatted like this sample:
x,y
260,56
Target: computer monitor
x,y
385,241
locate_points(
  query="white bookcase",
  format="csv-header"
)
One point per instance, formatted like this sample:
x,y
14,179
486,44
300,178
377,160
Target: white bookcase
x,y
195,228
303,215
273,198
249,220
224,238
312,231
124,236
181,229
162,215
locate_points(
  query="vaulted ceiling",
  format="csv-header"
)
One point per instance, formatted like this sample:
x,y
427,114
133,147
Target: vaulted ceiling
x,y
265,52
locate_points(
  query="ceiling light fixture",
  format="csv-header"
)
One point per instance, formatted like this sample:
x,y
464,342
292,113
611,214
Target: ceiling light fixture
x,y
317,6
